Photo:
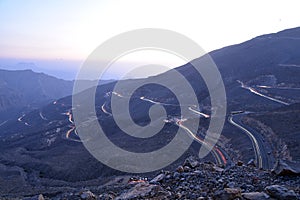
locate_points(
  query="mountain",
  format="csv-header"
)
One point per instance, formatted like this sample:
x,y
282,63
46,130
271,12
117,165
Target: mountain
x,y
42,150
26,90
271,60
22,91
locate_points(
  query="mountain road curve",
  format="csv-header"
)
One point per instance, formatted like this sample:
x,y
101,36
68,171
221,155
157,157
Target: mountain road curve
x,y
219,154
260,147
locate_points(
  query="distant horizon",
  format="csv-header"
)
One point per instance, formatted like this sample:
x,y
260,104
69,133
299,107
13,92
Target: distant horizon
x,y
68,69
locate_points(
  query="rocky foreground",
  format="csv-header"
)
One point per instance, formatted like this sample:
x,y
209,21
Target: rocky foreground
x,y
195,180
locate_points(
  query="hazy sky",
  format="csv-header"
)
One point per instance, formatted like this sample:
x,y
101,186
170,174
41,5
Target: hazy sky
x,y
71,29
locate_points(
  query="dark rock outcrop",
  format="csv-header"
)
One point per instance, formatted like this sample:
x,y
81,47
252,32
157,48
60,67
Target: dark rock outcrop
x,y
256,196
280,192
286,168
144,190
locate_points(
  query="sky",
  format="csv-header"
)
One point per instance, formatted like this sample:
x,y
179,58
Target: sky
x,y
57,35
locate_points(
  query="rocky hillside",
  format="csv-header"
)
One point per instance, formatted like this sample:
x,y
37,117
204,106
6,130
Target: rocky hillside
x,y
193,180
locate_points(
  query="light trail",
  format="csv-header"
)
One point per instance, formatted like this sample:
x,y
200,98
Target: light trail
x,y
199,113
42,116
216,152
104,110
279,88
69,114
289,65
72,128
218,155
69,132
253,140
21,118
117,94
157,102
262,95
3,123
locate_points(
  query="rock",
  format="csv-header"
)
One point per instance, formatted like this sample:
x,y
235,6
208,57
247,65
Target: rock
x,y
231,184
256,196
37,197
187,168
107,196
178,195
239,163
220,180
176,175
218,169
280,192
250,187
158,178
180,169
87,195
198,172
168,176
228,193
41,197
251,163
145,190
283,168
191,162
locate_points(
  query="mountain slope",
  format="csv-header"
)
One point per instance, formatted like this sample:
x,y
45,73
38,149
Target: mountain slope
x,y
22,91
25,90
282,126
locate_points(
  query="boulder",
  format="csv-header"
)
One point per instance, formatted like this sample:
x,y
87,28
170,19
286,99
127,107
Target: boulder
x,y
145,190
280,192
283,168
256,196
158,178
87,195
180,169
218,169
37,197
228,194
191,162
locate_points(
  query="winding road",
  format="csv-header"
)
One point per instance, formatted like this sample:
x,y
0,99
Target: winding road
x,y
104,109
20,119
72,128
219,154
260,94
261,148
